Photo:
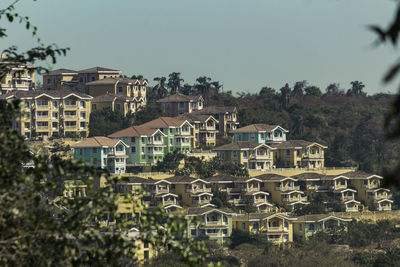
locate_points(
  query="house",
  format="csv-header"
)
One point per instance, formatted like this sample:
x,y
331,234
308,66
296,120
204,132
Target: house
x,y
204,129
178,133
369,190
102,152
308,225
226,116
208,222
177,104
242,192
124,104
300,154
253,156
160,194
52,113
75,188
16,76
147,145
284,190
94,74
144,250
60,79
278,227
260,133
192,192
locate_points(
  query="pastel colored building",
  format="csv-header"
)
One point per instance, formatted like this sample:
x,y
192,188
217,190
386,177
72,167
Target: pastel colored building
x,y
147,145
300,154
16,76
226,116
260,133
177,104
308,225
212,223
278,227
191,191
60,79
102,152
204,129
123,104
54,113
253,156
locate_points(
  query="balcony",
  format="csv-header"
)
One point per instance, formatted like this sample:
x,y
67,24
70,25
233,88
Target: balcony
x,y
70,106
42,117
287,188
42,127
198,190
216,223
278,229
200,201
70,127
70,116
294,199
169,202
346,198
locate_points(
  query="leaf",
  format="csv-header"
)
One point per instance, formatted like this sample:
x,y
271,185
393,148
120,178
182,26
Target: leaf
x,y
392,73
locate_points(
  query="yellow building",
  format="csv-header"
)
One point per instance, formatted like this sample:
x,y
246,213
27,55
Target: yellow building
x,y
226,116
52,113
253,156
277,227
60,79
369,190
17,77
284,190
300,154
124,104
192,192
204,129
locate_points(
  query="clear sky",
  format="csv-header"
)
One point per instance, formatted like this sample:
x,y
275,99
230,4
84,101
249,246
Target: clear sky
x,y
245,44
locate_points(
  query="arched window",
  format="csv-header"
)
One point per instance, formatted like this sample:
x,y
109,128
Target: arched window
x,y
311,227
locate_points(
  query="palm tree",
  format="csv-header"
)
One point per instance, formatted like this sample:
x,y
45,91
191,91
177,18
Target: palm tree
x,y
160,89
357,88
174,82
203,86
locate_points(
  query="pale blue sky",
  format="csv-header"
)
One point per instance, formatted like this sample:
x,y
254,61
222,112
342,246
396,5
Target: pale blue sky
x,y
245,44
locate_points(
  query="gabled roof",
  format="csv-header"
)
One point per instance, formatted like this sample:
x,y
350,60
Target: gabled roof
x,y
334,177
296,144
98,69
194,117
260,216
308,176
242,145
180,98
136,131
272,177
164,122
110,98
54,94
221,179
62,71
114,80
361,175
258,128
216,110
320,218
205,210
184,180
132,180
99,141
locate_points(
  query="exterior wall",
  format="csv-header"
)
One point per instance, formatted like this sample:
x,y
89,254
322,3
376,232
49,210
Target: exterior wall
x,y
56,81
300,158
19,78
101,89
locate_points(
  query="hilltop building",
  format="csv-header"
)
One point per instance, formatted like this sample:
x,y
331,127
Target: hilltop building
x,y
177,104
17,77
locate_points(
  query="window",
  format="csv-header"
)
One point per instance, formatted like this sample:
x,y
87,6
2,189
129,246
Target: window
x,y
83,115
193,232
117,106
146,254
94,150
133,139
171,141
82,104
311,227
94,106
287,151
83,124
42,103
27,125
243,226
146,244
143,140
171,131
120,89
133,150
55,115
55,104
93,79
181,105
48,80
70,102
54,125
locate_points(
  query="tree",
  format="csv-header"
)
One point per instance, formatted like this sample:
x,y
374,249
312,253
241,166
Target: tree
x,y
160,89
313,91
267,92
332,89
285,95
357,88
170,161
174,82
298,89
105,121
203,86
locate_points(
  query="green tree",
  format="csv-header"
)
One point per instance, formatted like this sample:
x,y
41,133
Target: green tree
x,y
313,91
174,82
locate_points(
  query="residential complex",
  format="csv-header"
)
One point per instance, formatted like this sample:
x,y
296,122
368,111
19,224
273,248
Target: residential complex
x,y
226,116
260,133
178,104
17,76
204,129
52,113
102,152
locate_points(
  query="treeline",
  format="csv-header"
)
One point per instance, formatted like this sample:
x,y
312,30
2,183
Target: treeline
x,y
348,121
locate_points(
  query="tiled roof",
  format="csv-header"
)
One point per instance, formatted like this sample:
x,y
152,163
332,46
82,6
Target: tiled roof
x,y
193,117
182,179
98,69
97,141
271,177
221,178
360,175
134,131
179,98
61,71
256,128
319,217
110,98
51,93
295,144
200,211
113,80
164,122
238,145
216,110
133,180
259,216
308,176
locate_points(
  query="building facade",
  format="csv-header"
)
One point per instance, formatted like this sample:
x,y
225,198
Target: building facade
x,y
177,104
226,116
260,133
16,76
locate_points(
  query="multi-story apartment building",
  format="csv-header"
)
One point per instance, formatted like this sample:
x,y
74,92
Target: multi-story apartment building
x,y
60,79
277,226
204,129
284,190
76,80
16,76
300,154
147,145
260,133
215,224
308,225
192,192
226,116
242,192
369,190
178,104
178,133
253,156
102,152
124,104
52,113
